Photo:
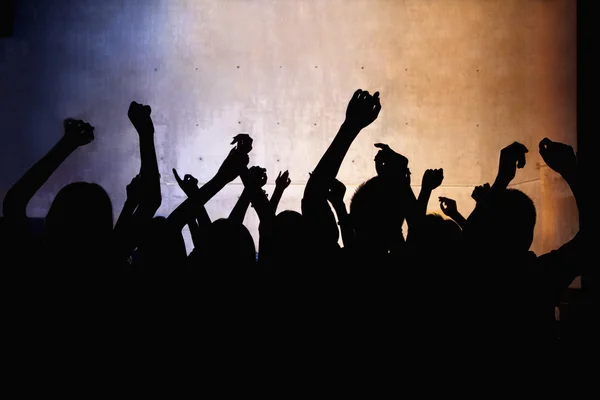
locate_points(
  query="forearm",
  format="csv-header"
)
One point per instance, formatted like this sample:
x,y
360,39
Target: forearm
x,y
276,198
149,173
458,218
19,195
241,207
181,214
423,200
259,201
329,165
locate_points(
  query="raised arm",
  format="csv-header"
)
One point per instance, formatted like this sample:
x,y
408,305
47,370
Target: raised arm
x,y
362,110
449,209
259,176
432,179
150,201
199,222
77,133
236,161
281,183
569,261
512,157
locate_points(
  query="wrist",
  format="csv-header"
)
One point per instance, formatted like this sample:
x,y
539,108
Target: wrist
x,y
350,128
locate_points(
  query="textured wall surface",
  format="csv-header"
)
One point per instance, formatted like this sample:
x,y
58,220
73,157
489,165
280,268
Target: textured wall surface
x,y
459,80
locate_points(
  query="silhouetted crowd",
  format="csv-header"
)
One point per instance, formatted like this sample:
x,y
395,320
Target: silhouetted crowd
x,y
451,284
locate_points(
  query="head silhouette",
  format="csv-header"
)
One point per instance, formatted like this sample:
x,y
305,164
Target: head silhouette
x,y
289,242
377,214
78,227
437,237
229,250
507,225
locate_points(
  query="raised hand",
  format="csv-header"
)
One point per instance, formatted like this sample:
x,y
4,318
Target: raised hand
x,y
559,156
188,184
448,206
432,178
363,109
283,180
511,158
480,191
336,192
243,141
139,115
390,164
258,176
78,133
233,165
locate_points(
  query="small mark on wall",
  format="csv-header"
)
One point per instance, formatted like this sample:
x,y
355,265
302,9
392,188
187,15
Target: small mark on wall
x,y
155,69
238,67
200,158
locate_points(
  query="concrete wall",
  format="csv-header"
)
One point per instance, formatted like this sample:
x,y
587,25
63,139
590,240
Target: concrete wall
x,y
459,79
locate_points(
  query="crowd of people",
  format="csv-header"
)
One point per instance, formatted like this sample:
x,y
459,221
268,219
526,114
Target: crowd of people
x,y
471,277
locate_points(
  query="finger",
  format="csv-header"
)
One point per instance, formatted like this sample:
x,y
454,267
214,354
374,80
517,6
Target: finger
x,y
356,94
187,177
176,175
376,95
382,146
279,175
377,108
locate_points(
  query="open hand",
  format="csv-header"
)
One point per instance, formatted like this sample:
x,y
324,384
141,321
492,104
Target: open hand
x,y
139,115
283,180
243,141
511,158
480,191
391,165
448,206
432,178
78,133
363,109
559,156
336,192
188,184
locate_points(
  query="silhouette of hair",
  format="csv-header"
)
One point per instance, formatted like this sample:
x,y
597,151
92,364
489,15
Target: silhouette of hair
x,y
229,249
377,213
79,223
507,225
289,240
